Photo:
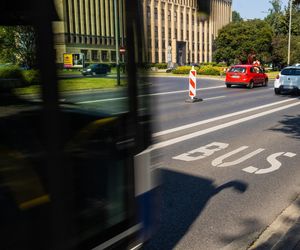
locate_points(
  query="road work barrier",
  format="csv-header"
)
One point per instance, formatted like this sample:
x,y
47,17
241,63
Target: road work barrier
x,y
193,86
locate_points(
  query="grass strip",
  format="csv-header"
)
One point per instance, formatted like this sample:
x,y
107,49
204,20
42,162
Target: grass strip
x,y
75,84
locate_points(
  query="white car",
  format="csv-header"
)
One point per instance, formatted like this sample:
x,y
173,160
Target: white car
x,y
288,80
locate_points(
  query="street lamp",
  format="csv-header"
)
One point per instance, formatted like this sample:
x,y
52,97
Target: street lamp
x,y
290,28
117,36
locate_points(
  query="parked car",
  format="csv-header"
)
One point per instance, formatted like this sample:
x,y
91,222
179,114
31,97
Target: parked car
x,y
96,69
246,75
288,80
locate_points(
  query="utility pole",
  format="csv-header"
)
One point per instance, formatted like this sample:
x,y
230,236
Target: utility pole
x,y
290,28
117,38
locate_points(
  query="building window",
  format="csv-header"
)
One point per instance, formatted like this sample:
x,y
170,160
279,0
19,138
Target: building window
x,y
85,53
149,30
156,44
163,32
113,56
148,12
169,15
169,33
94,55
181,17
104,55
155,13
163,44
156,31
175,33
175,16
162,14
156,57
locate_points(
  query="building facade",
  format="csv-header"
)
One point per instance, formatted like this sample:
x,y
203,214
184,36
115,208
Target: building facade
x,y
88,27
173,31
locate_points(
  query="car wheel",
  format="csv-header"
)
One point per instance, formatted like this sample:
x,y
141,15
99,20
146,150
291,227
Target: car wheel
x,y
277,91
228,85
250,85
266,83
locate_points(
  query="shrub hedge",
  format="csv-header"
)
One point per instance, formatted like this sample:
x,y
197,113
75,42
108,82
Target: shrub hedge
x,y
11,72
203,70
31,76
161,65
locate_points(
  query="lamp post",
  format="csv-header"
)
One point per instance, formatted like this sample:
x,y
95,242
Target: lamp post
x,y
290,28
117,36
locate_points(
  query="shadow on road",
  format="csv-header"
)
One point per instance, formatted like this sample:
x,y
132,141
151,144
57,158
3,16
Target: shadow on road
x,y
290,126
183,199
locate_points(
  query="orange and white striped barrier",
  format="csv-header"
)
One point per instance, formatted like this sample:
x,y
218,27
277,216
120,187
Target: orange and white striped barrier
x,y
193,86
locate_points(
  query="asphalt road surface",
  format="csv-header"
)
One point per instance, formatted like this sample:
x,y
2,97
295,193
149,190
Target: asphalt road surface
x,y
229,164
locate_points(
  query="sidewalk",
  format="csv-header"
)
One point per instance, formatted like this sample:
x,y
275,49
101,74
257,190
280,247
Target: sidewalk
x,y
284,232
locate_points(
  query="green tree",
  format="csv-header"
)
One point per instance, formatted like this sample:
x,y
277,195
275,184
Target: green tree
x,y
18,45
237,41
236,17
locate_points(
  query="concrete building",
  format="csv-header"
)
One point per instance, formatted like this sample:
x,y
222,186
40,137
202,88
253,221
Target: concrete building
x,y
88,27
173,31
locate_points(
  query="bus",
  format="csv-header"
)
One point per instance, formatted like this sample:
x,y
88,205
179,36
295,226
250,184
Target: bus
x,y
74,169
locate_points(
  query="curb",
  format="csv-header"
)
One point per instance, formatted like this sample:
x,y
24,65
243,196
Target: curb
x,y
283,233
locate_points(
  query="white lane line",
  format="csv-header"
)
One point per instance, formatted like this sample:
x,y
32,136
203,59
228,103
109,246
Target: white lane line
x,y
218,127
154,94
103,100
168,131
181,91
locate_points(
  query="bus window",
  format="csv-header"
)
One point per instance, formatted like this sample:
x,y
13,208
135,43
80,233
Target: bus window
x,y
68,140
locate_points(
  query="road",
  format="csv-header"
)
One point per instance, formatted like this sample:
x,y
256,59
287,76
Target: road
x,y
229,163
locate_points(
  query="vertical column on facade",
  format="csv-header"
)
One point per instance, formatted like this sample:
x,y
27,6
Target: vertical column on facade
x,y
145,18
166,29
87,17
82,22
223,14
121,21
217,16
93,28
179,23
76,21
184,23
71,22
195,36
172,32
210,40
230,12
159,26
112,18
214,16
152,23
201,41
106,21
97,13
190,34
205,40
102,15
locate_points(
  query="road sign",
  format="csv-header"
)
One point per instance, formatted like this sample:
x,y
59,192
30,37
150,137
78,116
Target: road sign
x,y
122,50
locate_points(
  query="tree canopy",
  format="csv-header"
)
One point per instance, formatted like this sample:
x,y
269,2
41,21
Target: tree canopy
x,y
18,45
237,41
266,39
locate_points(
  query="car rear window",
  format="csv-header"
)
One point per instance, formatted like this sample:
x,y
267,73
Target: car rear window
x,y
290,72
238,69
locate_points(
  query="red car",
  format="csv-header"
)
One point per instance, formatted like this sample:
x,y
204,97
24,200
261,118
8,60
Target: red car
x,y
246,75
